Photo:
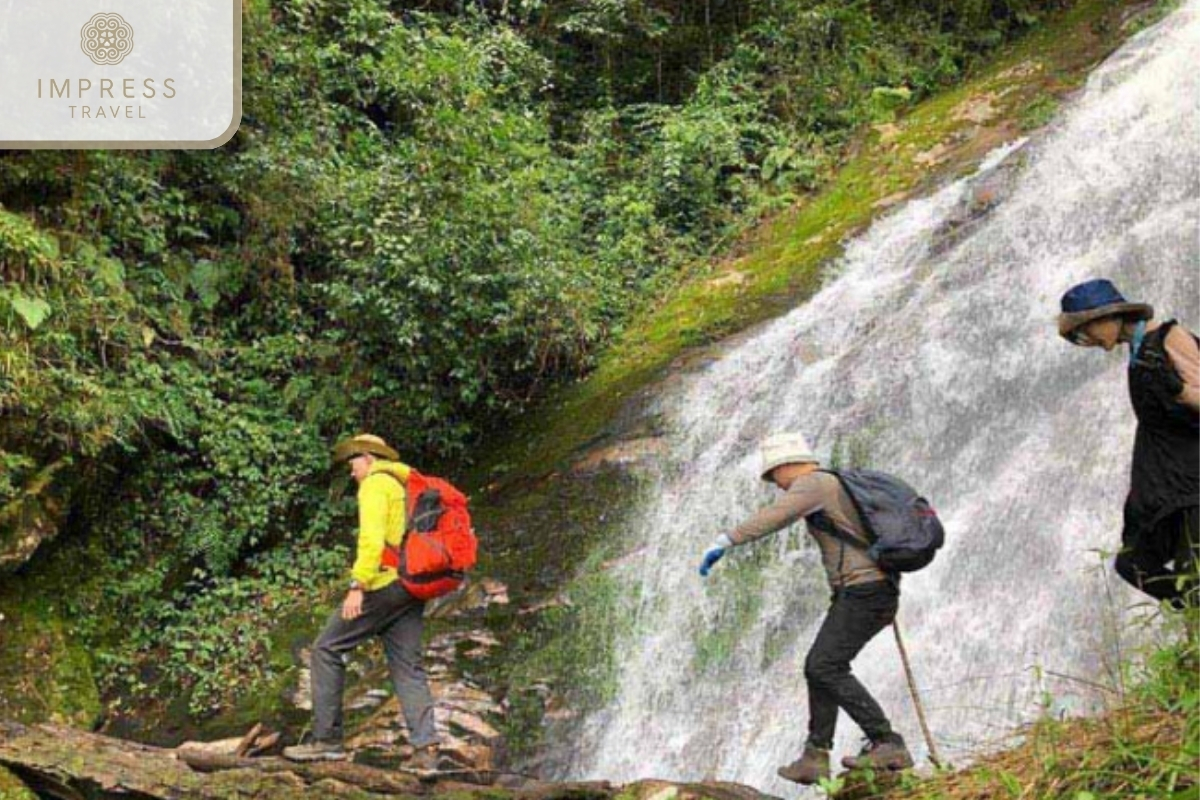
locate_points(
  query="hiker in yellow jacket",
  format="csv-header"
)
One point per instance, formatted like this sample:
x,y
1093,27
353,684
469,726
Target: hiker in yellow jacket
x,y
376,604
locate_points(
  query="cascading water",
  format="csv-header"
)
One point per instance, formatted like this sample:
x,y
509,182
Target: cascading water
x,y
933,353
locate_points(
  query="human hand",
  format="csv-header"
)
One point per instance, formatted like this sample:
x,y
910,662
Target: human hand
x,y
352,605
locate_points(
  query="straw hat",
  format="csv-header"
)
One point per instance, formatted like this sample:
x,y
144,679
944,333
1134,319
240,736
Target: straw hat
x,y
363,444
1092,300
785,448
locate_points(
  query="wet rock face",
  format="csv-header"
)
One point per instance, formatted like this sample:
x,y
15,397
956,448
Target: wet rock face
x,y
985,193
626,453
478,595
710,790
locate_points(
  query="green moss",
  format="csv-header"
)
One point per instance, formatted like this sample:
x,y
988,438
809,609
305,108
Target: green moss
x,y
783,261
552,541
36,510
570,651
11,788
855,451
1039,112
743,592
536,536
48,675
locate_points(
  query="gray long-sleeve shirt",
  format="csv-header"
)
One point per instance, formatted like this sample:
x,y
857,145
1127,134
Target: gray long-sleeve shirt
x,y
819,491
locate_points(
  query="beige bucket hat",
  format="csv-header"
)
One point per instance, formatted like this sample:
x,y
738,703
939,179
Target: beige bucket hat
x,y
363,444
785,448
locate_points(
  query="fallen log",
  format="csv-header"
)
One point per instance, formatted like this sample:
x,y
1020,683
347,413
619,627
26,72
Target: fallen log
x,y
66,764
373,779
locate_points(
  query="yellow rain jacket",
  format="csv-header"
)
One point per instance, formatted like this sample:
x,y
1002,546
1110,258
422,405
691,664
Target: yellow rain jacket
x,y
381,513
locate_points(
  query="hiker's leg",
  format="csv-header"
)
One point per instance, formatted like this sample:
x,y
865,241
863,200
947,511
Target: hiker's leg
x,y
328,669
329,673
1187,557
822,704
857,615
402,645
1142,563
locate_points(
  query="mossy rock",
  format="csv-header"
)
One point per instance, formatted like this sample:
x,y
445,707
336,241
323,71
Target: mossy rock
x,y
11,787
49,675
266,700
33,517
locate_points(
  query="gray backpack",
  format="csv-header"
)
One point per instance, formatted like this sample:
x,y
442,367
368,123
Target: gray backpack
x,y
903,529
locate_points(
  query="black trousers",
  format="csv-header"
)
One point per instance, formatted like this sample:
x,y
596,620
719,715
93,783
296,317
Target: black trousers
x,y
858,613
1143,562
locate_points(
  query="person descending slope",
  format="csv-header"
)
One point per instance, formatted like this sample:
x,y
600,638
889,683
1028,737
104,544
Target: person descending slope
x,y
859,559
1162,510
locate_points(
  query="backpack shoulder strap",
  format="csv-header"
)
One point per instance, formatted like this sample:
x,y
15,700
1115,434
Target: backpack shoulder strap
x,y
838,533
403,483
407,502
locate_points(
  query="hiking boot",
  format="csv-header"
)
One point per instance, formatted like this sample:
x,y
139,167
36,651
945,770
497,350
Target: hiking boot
x,y
425,759
810,768
315,751
889,753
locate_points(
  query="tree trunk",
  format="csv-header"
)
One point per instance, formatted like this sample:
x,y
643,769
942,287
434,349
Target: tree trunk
x,y
66,764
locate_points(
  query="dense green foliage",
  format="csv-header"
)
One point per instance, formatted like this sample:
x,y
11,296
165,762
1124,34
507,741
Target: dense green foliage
x,y
430,215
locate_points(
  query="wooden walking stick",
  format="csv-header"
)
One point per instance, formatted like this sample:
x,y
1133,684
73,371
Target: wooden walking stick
x,y
934,758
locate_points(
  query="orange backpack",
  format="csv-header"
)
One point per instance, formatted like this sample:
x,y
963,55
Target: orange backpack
x,y
439,544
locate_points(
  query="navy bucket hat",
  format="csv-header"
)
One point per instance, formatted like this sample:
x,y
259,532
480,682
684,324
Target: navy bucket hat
x,y
1095,299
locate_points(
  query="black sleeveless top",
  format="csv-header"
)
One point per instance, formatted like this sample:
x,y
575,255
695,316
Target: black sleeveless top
x,y
1166,451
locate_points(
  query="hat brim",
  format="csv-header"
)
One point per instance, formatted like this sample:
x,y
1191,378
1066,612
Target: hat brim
x,y
1069,324
344,451
768,469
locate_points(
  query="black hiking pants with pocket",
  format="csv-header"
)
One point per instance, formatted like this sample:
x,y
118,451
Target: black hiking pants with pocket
x,y
858,613
1175,540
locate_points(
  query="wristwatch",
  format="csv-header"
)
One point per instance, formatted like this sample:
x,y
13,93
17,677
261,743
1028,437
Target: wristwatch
x,y
355,586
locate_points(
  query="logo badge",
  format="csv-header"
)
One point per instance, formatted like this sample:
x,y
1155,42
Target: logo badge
x,y
77,74
106,38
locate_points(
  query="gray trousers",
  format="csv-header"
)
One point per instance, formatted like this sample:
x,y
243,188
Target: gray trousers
x,y
395,616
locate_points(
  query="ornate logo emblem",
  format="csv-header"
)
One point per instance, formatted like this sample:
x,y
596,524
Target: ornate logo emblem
x,y
106,38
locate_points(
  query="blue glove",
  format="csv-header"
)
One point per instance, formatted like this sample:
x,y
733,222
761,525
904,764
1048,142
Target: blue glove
x,y
714,554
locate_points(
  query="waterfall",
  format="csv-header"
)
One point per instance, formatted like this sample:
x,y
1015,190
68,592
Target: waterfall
x,y
932,353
